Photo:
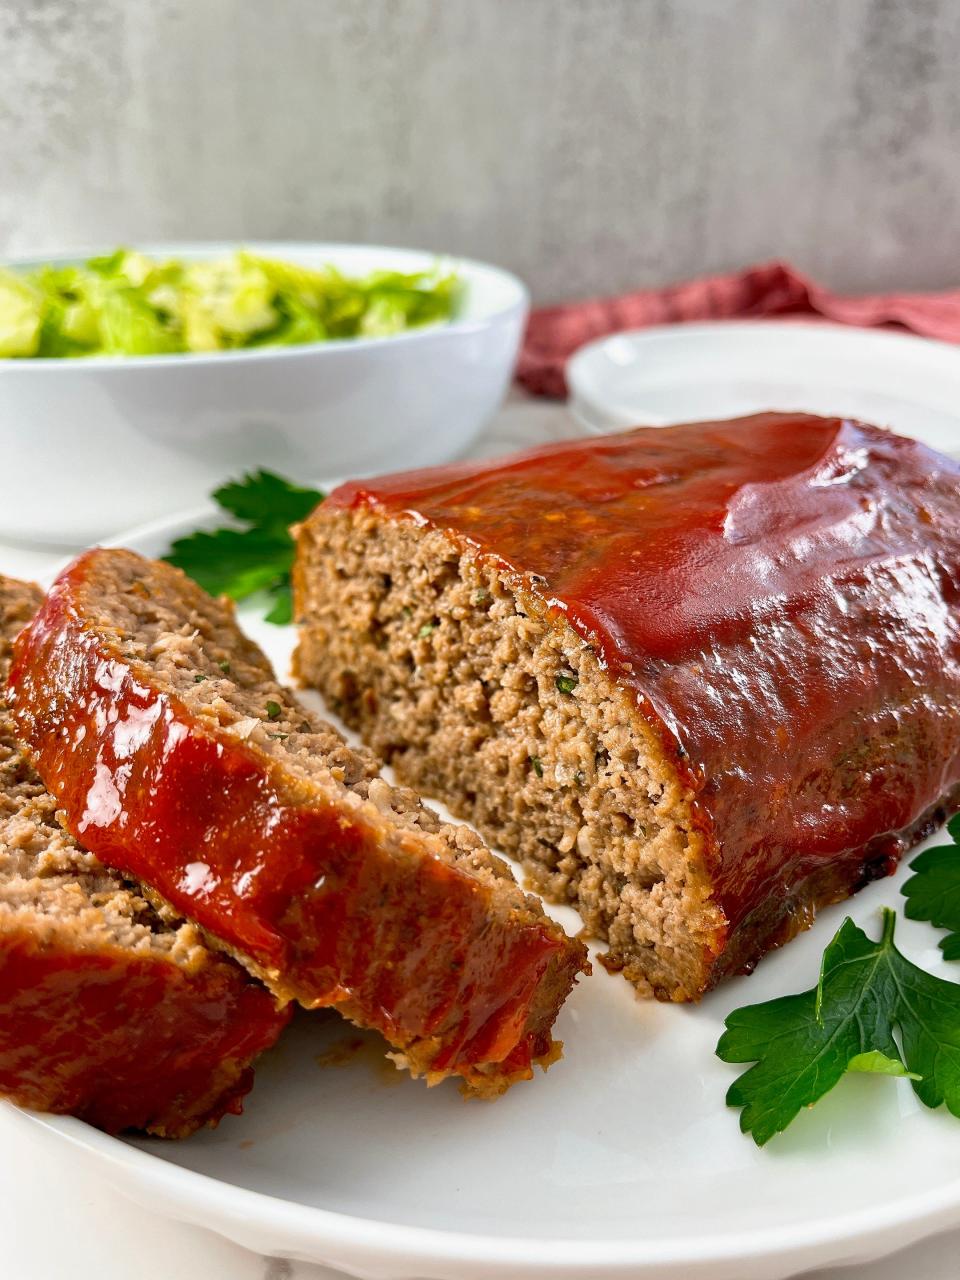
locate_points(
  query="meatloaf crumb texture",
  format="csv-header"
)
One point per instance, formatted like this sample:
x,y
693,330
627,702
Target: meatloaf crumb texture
x,y
248,814
106,1013
455,676
700,679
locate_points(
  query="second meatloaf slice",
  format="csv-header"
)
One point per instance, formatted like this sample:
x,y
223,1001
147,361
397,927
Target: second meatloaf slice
x,y
179,759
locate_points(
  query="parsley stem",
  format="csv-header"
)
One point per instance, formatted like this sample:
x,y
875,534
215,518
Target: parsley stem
x,y
889,924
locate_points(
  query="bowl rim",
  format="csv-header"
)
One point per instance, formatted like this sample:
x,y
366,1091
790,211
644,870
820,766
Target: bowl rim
x,y
516,301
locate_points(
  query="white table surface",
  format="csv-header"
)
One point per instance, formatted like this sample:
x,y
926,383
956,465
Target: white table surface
x,y
53,1229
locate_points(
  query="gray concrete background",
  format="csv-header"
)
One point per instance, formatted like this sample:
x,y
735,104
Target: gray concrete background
x,y
591,145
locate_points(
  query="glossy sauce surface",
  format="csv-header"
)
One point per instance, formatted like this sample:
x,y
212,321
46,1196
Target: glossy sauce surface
x,y
781,594
299,889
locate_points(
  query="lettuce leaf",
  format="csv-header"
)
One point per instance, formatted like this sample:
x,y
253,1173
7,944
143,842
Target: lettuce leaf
x,y
126,303
21,316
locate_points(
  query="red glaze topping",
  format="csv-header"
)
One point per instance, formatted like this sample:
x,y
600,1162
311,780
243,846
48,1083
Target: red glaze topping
x,y
781,592
302,891
127,1040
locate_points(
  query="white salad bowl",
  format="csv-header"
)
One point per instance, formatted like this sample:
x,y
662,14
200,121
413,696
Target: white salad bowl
x,y
90,445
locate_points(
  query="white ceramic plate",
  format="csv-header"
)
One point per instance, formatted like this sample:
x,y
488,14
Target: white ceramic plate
x,y
686,373
623,1161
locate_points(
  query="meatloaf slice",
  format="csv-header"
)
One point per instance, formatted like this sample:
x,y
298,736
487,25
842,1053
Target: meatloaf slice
x,y
106,1013
700,679
179,759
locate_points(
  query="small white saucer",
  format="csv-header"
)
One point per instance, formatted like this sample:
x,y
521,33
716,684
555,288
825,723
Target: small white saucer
x,y
693,372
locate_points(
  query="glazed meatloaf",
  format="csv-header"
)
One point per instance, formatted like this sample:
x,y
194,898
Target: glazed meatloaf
x,y
178,758
105,1012
700,679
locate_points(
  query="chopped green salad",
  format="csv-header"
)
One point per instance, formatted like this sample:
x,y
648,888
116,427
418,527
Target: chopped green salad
x,y
127,304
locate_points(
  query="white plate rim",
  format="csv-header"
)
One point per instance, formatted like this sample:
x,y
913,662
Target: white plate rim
x,y
239,1213
188,1192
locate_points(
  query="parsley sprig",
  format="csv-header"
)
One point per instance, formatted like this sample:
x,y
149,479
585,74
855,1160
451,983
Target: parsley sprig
x,y
256,553
933,891
868,995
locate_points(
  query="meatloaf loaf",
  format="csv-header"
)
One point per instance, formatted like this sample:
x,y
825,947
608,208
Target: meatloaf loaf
x,y
105,1012
700,679
179,759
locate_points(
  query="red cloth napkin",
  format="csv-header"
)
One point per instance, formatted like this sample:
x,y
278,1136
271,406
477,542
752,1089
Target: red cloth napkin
x,y
772,289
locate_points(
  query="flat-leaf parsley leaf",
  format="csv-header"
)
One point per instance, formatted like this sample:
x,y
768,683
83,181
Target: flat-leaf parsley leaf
x,y
802,1045
933,891
238,561
266,499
